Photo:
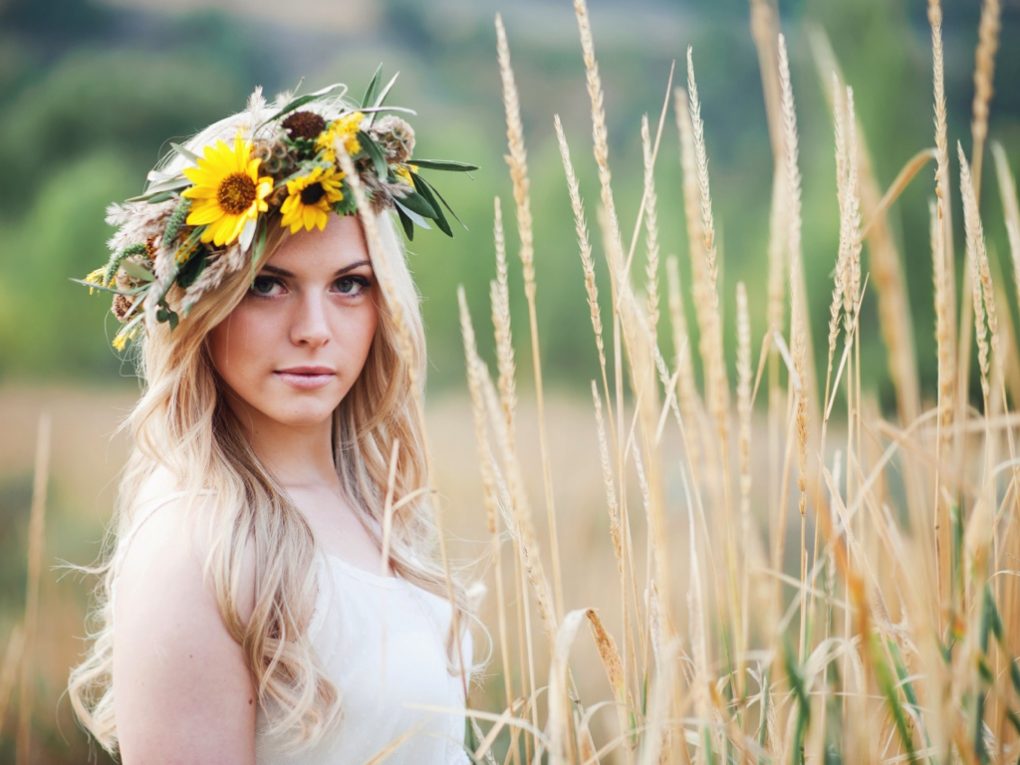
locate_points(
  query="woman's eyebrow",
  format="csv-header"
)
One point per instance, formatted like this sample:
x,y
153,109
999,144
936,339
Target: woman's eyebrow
x,y
284,272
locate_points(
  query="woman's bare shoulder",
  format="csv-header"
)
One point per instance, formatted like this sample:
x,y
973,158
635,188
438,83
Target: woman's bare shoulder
x,y
169,542
160,485
171,643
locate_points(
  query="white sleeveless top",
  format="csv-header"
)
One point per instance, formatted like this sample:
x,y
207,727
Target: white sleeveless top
x,y
381,641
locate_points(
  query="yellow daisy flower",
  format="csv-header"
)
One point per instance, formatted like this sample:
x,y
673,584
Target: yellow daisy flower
x,y
344,128
228,191
309,199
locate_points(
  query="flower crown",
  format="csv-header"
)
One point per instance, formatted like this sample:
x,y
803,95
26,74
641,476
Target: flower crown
x,y
198,223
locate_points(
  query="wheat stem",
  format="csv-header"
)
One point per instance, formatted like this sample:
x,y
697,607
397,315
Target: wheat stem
x,y
36,551
984,74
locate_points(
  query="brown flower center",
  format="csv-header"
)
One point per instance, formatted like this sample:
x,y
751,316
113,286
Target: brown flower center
x,y
304,125
236,193
312,193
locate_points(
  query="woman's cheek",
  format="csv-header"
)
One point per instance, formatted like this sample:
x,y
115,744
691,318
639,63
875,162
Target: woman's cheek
x,y
254,335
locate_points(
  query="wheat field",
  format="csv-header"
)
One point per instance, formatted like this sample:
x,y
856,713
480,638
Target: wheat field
x,y
788,574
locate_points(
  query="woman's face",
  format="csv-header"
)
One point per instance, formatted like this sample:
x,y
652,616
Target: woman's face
x,y
296,343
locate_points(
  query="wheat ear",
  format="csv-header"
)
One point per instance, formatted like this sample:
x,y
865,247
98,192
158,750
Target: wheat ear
x,y
517,160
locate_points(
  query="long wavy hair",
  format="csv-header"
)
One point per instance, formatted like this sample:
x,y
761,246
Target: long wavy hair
x,y
182,423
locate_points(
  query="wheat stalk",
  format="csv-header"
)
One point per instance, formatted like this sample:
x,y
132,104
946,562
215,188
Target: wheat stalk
x,y
984,74
608,219
518,164
691,194
744,409
584,247
600,136
981,271
851,221
951,395
690,402
1011,210
651,226
637,337
775,318
706,298
799,313
837,306
9,670
500,299
490,495
765,31
886,271
36,550
985,321
709,314
486,406
522,528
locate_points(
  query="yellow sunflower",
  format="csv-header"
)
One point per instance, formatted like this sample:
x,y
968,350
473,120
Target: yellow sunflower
x,y
344,128
309,199
228,191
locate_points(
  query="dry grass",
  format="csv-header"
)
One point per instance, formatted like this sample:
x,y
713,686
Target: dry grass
x,y
891,637
984,73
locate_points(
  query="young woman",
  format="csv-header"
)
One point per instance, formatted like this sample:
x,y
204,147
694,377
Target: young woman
x,y
273,590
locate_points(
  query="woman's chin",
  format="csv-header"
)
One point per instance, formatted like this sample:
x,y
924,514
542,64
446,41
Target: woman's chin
x,y
309,414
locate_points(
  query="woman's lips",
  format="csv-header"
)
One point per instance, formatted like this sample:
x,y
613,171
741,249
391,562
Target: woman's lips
x,y
306,380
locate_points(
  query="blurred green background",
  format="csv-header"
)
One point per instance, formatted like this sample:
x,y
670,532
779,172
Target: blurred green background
x,y
91,93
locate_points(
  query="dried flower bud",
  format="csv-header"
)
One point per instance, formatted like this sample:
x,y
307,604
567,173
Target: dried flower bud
x,y
304,124
121,307
395,136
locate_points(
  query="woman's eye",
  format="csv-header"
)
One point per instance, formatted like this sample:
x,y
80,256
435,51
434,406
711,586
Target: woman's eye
x,y
352,285
263,285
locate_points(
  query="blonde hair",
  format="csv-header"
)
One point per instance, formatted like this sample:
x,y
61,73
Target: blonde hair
x,y
182,423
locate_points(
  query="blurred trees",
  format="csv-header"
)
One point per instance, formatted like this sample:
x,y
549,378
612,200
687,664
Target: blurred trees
x,y
90,95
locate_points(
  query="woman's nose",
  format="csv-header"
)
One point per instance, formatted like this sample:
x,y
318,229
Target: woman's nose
x,y
309,325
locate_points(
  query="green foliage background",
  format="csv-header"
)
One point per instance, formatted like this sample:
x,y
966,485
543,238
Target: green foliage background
x,y
91,93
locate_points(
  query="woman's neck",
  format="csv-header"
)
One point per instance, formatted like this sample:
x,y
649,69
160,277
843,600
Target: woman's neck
x,y
297,462
296,456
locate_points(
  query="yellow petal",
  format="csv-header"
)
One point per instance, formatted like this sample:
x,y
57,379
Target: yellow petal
x,y
200,192
222,150
223,230
293,221
205,213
